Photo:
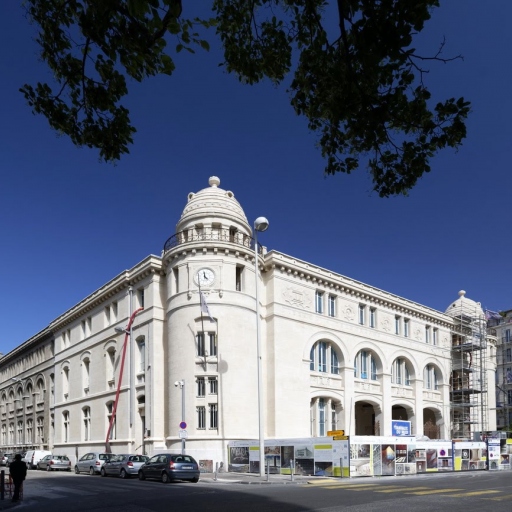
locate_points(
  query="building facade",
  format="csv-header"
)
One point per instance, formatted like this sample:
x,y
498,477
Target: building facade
x,y
336,354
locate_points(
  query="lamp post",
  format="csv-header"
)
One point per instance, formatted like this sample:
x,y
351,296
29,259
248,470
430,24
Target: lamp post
x,y
260,224
181,385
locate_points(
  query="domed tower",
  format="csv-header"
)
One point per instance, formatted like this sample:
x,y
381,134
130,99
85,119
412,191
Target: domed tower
x,y
471,378
211,325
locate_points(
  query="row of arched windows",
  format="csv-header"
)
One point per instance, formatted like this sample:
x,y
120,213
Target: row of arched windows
x,y
324,358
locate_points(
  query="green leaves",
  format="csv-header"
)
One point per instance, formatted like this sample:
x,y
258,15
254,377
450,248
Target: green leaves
x,y
361,88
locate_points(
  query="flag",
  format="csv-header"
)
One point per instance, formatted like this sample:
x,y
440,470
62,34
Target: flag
x,y
204,306
492,314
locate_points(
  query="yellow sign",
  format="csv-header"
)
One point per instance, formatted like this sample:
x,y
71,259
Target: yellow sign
x,y
339,438
335,433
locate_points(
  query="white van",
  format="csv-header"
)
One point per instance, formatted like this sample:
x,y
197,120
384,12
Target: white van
x,y
32,457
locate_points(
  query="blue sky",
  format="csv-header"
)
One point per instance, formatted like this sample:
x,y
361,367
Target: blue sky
x,y
69,223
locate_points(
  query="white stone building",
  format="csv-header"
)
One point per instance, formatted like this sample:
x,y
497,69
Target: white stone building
x,y
337,354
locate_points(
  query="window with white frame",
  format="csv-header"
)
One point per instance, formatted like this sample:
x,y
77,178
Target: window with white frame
x,y
319,302
20,439
110,412
435,335
321,417
40,429
86,327
362,314
11,433
398,324
430,377
213,343
86,365
400,373
200,344
140,297
201,417
427,334
373,317
239,270
365,365
65,426
141,353
324,358
29,436
406,327
65,382
212,385
213,409
201,388
4,434
86,418
332,306
110,365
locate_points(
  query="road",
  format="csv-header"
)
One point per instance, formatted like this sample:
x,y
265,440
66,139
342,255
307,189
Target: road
x,y
456,492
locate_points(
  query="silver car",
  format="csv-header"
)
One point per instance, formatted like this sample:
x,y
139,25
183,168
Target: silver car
x,y
54,462
123,465
91,463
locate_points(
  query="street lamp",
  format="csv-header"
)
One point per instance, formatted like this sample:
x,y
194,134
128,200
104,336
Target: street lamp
x,y
260,224
181,384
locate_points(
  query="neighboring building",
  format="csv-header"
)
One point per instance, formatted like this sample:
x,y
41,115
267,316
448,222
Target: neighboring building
x,y
503,325
337,354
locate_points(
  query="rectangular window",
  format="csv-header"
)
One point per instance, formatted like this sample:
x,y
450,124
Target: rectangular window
x,y
373,317
427,334
212,385
406,327
319,302
332,305
334,420
322,356
509,396
362,314
213,416
213,344
113,312
201,417
509,355
238,278
176,276
398,322
434,336
200,386
200,344
107,315
140,297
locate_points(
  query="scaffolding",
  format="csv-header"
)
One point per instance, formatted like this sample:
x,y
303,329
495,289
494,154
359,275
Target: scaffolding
x,y
468,382
503,326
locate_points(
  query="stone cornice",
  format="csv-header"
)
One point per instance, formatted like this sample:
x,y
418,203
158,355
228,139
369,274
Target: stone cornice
x,y
26,346
342,285
150,265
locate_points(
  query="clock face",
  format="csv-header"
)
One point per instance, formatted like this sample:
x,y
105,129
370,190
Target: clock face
x,y
205,277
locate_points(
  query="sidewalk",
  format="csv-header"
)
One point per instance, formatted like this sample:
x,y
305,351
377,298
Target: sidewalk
x,y
256,479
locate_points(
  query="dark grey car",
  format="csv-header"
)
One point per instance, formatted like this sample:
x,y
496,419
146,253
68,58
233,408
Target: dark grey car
x,y
123,465
168,467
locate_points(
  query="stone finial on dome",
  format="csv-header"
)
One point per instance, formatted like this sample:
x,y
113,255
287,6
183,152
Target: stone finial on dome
x,y
462,293
214,181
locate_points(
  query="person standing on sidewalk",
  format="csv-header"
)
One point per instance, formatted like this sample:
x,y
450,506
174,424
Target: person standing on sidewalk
x,y
18,472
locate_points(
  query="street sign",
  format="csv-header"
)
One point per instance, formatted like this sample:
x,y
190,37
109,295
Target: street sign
x,y
335,433
339,438
183,434
183,425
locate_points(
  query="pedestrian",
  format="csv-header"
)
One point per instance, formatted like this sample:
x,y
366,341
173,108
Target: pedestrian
x,y
18,472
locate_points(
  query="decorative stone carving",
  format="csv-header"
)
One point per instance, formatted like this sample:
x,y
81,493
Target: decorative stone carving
x,y
385,325
297,298
417,334
349,314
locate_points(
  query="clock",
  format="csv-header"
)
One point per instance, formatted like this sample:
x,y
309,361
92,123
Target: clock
x,y
204,277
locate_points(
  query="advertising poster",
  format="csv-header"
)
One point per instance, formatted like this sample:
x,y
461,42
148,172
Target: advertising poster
x,y
470,456
340,458
273,459
238,459
287,459
433,456
494,447
388,457
323,460
505,453
360,460
304,461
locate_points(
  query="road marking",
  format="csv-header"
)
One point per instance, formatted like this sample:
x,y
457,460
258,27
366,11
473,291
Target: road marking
x,y
390,488
500,498
433,491
406,488
474,493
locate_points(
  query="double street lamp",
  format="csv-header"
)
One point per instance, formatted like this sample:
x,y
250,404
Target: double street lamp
x,y
260,224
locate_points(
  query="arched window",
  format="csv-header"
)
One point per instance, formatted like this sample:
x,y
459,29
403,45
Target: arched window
x,y
141,352
65,382
86,365
111,366
324,358
430,377
324,415
29,437
400,372
365,365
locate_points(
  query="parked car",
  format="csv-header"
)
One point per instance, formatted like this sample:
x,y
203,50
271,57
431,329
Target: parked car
x,y
123,465
4,459
167,467
32,457
91,463
54,462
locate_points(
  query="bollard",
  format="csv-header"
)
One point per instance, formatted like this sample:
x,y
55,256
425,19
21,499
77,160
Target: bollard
x,y
268,470
216,469
341,467
292,468
2,484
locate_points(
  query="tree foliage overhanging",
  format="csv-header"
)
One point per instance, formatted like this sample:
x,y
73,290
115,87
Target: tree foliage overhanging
x,y
356,78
